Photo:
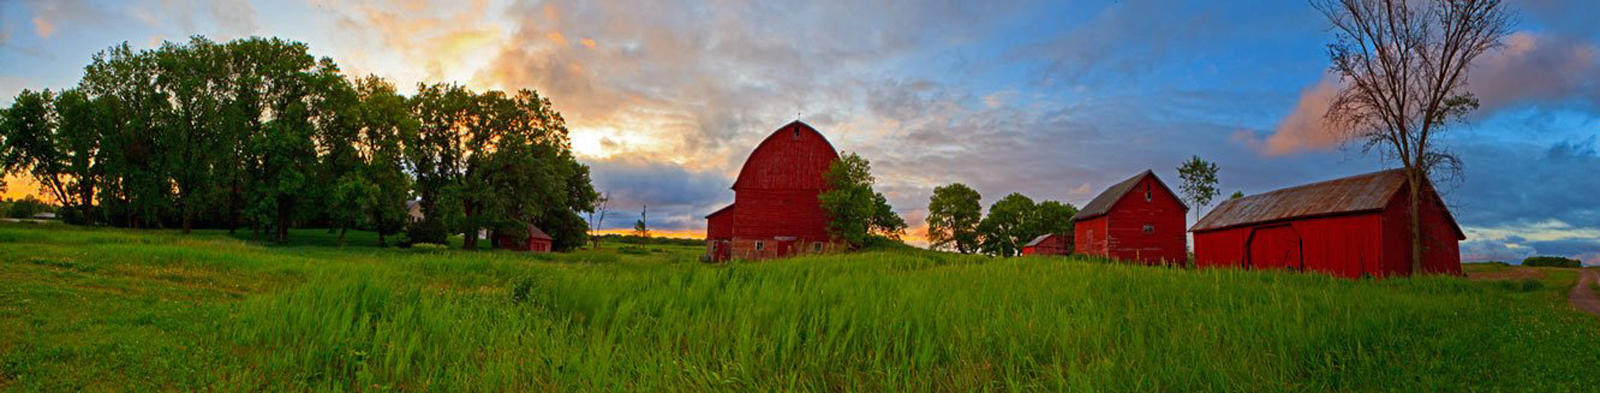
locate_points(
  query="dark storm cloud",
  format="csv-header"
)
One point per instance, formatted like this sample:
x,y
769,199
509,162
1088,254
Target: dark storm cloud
x,y
1520,183
677,198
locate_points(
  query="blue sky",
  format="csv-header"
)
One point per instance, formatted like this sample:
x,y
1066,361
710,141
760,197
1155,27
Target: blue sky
x,y
1054,100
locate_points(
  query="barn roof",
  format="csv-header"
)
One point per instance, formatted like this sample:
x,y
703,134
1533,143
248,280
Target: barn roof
x,y
1038,240
536,233
774,141
1101,204
1362,193
720,211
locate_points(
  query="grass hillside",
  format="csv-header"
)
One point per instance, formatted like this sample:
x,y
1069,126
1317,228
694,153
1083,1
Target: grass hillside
x,y
117,310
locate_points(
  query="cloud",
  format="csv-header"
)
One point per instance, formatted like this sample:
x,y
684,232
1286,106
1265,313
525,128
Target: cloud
x,y
677,198
43,27
1538,69
1531,69
1305,128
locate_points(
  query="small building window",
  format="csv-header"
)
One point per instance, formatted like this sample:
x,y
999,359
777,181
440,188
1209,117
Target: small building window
x,y
1149,228
816,246
1147,193
761,245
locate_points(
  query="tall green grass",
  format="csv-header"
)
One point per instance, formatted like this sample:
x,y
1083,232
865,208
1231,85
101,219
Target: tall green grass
x,y
112,310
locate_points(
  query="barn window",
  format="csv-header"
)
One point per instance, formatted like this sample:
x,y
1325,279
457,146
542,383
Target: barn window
x,y
1147,193
1149,228
797,133
760,245
816,246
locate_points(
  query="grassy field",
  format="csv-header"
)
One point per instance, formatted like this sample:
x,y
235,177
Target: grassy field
x,y
115,310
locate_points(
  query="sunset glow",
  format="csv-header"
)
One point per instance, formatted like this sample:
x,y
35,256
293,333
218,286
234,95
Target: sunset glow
x,y
665,100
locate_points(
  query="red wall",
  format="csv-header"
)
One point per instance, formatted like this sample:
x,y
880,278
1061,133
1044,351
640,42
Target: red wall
x,y
1125,226
720,225
1090,237
1441,246
1375,244
1053,245
775,196
1345,246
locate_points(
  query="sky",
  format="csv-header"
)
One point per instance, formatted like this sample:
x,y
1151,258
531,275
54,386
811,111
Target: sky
x,y
1054,100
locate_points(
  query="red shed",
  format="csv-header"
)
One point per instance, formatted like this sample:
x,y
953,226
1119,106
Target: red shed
x,y
1139,219
1350,227
536,241
1046,244
775,212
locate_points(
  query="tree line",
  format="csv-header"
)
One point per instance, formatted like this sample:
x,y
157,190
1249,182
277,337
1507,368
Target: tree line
x,y
956,221
258,134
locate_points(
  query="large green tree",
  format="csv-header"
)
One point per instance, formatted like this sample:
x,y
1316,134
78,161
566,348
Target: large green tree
x,y
1054,217
1008,226
382,186
954,212
855,211
1015,220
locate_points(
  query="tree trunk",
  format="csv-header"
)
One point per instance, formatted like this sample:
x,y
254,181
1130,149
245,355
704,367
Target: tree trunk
x,y
341,236
381,240
1416,219
188,218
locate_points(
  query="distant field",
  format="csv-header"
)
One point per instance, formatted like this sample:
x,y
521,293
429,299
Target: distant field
x,y
117,310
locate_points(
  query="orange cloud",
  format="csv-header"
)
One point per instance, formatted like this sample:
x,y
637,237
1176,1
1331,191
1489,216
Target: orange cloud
x,y
556,37
1305,129
587,42
43,27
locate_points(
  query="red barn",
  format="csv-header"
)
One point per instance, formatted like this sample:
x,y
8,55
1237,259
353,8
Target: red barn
x,y
535,241
1139,219
775,212
1350,227
1046,244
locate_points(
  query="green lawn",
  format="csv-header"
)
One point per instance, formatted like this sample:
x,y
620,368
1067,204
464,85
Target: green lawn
x,y
117,310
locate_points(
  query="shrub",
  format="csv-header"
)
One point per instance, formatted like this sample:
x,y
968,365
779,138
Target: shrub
x,y
426,231
1546,261
26,207
522,290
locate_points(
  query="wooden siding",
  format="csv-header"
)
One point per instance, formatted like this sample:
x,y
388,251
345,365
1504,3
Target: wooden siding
x,y
1126,238
775,199
1375,244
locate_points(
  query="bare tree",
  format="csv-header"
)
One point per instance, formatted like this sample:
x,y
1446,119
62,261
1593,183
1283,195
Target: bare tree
x,y
600,207
1403,68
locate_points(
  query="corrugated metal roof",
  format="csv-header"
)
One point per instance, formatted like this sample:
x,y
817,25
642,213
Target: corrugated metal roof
x,y
1359,193
1101,204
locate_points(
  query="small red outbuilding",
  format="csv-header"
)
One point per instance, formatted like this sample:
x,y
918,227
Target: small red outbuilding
x,y
536,241
1046,244
1350,227
775,211
1138,219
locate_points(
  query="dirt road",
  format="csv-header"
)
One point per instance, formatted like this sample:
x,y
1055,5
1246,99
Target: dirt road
x,y
1582,297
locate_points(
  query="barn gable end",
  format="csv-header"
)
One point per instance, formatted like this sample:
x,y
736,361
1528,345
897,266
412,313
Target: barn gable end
x,y
1138,219
775,212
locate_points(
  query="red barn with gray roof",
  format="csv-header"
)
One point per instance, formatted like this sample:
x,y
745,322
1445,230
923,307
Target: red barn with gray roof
x,y
775,212
1350,227
1047,244
1138,219
535,240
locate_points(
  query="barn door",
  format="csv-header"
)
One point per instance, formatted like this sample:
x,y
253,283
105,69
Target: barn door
x,y
1275,248
785,247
